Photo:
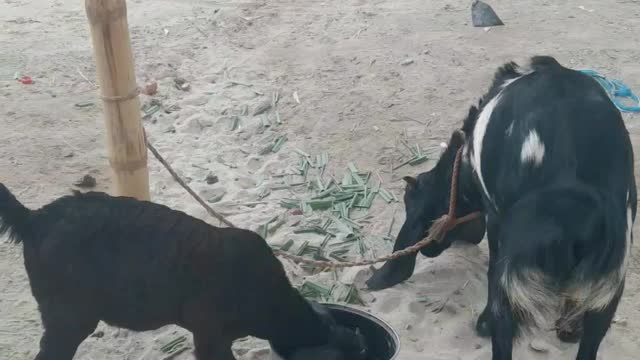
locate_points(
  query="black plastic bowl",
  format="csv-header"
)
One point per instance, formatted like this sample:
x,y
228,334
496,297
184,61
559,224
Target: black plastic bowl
x,y
382,340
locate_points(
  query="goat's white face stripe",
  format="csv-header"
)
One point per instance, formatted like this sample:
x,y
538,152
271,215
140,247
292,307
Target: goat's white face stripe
x,y
478,137
532,149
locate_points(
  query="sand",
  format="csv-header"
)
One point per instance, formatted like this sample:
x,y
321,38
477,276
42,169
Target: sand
x,y
363,73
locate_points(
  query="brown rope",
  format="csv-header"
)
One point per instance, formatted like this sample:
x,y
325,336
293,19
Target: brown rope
x,y
182,183
437,231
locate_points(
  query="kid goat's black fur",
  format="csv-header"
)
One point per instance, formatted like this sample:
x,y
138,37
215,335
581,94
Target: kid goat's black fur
x,y
140,266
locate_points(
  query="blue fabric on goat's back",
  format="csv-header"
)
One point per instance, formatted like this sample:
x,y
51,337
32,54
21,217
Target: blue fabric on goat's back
x,y
616,89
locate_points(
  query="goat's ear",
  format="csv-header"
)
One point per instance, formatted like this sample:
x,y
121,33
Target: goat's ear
x,y
458,139
410,180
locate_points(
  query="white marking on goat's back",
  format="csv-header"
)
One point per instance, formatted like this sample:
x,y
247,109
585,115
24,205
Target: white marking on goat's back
x,y
478,137
532,149
509,82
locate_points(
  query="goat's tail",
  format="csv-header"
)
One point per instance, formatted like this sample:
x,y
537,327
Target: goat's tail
x,y
560,267
13,215
531,295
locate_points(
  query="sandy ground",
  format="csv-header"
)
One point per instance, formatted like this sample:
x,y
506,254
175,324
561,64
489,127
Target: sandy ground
x,y
348,63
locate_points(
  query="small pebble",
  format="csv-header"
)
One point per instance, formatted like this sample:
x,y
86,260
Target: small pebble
x,y
539,346
262,107
87,181
620,321
406,62
150,89
181,84
211,179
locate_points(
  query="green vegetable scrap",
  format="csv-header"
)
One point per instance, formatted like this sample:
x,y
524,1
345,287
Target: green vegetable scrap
x,y
385,195
287,245
277,144
311,290
89,103
148,112
418,160
303,247
174,344
312,229
290,203
264,193
418,157
346,294
235,123
265,121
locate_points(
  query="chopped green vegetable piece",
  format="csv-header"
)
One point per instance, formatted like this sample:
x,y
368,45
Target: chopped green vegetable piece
x,y
357,179
302,248
287,245
150,111
315,291
302,153
173,344
325,241
384,194
321,204
393,220
313,229
278,143
265,121
264,193
402,164
235,123
346,179
290,204
89,103
418,160
306,209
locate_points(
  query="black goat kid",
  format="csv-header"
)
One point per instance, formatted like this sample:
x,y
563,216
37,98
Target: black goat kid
x,y
140,266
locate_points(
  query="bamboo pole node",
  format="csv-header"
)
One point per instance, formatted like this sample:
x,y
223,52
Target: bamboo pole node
x,y
132,94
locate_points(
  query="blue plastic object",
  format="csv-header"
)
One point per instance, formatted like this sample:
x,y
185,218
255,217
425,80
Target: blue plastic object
x,y
616,89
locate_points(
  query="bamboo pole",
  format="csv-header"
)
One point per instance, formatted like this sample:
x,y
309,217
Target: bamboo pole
x,y
116,75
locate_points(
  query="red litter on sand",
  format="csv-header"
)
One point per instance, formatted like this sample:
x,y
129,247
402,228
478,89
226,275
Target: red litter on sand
x,y
27,80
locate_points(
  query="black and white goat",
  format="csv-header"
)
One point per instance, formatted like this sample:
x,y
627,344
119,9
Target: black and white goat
x,y
547,157
140,265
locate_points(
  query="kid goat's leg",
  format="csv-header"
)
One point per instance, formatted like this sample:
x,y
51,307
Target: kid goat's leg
x,y
65,327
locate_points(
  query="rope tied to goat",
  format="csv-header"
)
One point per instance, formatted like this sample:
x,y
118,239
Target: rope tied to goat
x,y
439,228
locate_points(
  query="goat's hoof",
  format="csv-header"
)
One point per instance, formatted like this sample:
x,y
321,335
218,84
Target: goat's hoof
x,y
483,326
571,336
